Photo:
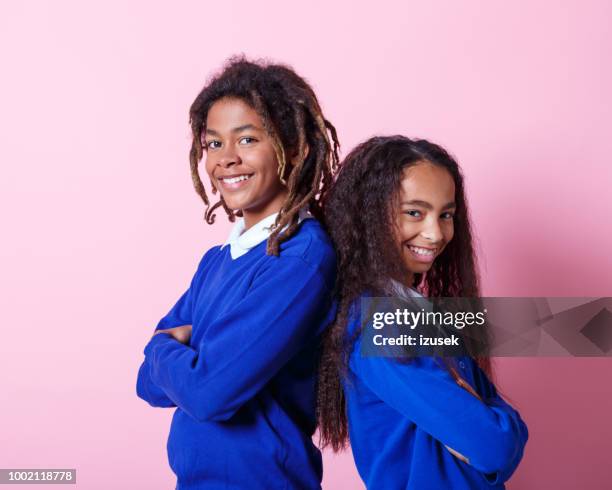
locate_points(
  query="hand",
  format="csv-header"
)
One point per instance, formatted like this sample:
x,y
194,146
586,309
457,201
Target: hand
x,y
464,384
467,387
181,334
457,454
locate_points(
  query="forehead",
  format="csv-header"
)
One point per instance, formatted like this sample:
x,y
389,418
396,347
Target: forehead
x,y
231,112
427,182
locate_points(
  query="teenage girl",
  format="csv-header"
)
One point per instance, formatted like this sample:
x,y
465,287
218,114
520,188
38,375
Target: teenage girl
x,y
237,353
398,217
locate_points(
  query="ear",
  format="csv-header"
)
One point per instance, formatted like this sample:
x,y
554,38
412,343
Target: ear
x,y
295,155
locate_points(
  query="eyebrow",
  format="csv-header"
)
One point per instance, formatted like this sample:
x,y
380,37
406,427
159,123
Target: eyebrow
x,y
426,205
238,129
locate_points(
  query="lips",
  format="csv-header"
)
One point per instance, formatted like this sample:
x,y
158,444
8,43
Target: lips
x,y
234,181
422,254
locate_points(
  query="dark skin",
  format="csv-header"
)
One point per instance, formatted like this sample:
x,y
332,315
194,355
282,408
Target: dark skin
x,y
181,334
237,144
425,220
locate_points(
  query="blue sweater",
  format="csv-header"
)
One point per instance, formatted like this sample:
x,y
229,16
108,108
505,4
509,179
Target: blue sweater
x,y
402,414
244,387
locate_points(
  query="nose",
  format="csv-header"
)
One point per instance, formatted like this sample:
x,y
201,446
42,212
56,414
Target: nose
x,y
228,157
431,231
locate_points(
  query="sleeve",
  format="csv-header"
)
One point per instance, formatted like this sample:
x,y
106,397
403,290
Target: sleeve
x,y
180,314
286,307
493,399
491,435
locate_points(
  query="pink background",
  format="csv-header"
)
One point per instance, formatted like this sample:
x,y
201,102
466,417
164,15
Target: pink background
x,y
101,229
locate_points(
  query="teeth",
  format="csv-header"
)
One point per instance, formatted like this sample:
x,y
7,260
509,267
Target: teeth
x,y
233,180
422,251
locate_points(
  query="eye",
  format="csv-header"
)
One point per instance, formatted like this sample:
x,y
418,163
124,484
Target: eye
x,y
212,145
413,212
447,215
246,140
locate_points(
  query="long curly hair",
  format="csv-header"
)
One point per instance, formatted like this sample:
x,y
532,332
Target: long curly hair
x,y
360,209
293,119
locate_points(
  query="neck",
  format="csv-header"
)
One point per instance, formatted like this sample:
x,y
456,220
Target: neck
x,y
407,281
255,214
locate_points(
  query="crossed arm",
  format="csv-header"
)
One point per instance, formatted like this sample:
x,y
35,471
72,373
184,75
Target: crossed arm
x,y
148,390
466,386
251,342
486,433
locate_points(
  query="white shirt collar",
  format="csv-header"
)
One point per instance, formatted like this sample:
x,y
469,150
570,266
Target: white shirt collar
x,y
241,241
399,289
411,295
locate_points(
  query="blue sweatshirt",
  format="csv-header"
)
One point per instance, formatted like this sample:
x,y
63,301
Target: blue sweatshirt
x,y
244,387
402,414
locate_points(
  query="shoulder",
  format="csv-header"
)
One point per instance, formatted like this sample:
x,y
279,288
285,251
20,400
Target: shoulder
x,y
359,332
209,255
354,320
207,261
312,245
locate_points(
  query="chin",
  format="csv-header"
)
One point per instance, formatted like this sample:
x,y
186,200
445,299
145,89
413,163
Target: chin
x,y
235,204
419,268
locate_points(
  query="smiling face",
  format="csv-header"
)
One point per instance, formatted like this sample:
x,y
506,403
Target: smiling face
x,y
424,219
241,161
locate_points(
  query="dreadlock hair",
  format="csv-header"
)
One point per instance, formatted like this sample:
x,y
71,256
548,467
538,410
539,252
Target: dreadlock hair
x,y
360,210
293,119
